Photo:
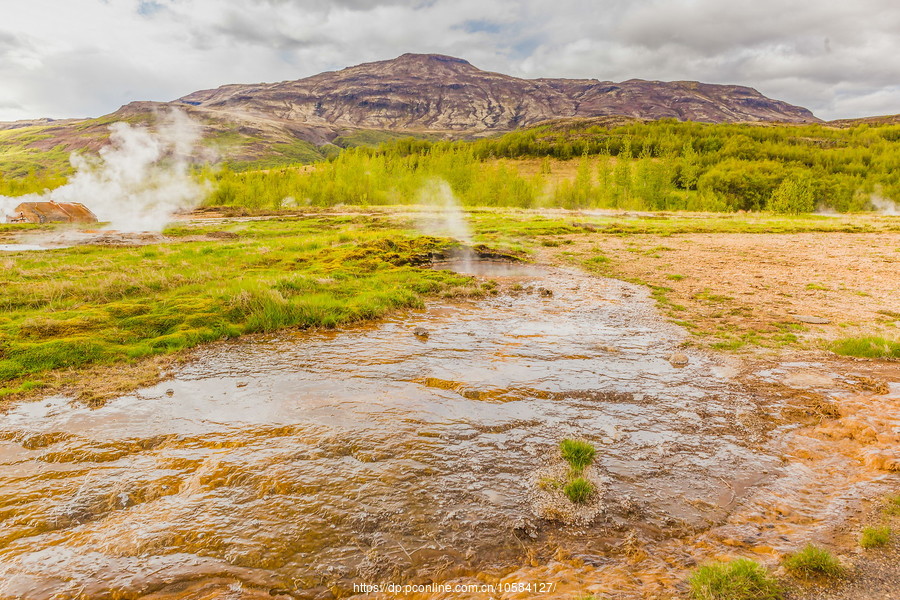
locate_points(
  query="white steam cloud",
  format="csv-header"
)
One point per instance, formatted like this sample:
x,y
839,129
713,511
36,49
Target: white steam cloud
x,y
884,206
445,217
138,181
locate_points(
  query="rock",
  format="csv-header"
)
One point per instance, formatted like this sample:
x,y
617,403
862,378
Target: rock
x,y
811,319
241,384
170,392
679,359
544,292
610,349
420,332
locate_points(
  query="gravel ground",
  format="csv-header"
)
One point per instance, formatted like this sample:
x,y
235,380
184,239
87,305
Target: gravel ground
x,y
873,574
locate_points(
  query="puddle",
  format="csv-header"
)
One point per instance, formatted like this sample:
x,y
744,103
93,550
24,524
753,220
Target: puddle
x,y
25,247
310,462
491,268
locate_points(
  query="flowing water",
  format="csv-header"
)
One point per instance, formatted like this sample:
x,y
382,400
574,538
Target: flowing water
x,y
306,462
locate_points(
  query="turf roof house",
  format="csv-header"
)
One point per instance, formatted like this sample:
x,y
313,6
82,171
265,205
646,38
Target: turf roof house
x,y
52,212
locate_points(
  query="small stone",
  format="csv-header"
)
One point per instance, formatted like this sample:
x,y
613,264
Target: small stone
x,y
170,392
241,384
610,349
812,319
420,332
678,359
544,292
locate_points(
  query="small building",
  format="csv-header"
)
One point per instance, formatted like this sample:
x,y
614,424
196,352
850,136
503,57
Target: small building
x,y
52,212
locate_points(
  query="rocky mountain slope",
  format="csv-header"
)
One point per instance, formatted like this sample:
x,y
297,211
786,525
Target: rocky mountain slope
x,y
415,94
435,92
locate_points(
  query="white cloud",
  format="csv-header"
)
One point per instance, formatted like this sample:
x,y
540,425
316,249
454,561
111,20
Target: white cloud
x,y
87,57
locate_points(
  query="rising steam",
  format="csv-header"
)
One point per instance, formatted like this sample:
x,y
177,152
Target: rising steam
x,y
445,217
884,206
138,181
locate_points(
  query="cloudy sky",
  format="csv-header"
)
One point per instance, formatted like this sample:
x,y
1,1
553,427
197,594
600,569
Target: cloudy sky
x,y
63,58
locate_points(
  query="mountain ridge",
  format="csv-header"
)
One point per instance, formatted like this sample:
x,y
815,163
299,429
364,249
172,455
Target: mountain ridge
x,y
439,92
425,95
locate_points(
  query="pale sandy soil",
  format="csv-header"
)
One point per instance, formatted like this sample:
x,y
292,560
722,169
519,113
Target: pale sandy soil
x,y
727,285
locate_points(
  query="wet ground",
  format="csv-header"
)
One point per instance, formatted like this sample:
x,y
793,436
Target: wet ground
x,y
304,463
66,238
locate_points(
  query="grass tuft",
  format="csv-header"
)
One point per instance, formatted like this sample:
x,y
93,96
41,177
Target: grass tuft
x,y
875,537
739,579
579,490
893,505
867,347
813,560
577,453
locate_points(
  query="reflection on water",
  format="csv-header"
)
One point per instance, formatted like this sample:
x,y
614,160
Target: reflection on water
x,y
306,462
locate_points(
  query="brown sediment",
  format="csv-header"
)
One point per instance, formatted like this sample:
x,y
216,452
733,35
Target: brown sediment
x,y
96,384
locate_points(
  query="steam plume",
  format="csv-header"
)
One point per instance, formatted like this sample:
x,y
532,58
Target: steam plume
x,y
884,206
446,217
138,181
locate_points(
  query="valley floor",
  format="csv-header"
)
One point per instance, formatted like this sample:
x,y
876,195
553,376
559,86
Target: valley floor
x,y
804,312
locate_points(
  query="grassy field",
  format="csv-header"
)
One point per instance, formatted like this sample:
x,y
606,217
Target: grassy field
x,y
92,305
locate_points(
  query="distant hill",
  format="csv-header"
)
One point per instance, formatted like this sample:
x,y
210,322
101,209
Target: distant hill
x,y
882,120
425,95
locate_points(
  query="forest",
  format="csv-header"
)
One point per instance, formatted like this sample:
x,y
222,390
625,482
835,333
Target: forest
x,y
587,163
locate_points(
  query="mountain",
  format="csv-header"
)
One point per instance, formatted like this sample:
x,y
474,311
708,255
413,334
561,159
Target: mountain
x,y
415,94
442,93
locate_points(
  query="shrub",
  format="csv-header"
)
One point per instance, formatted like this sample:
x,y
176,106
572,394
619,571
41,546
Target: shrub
x,y
577,453
875,537
813,560
579,490
739,579
794,196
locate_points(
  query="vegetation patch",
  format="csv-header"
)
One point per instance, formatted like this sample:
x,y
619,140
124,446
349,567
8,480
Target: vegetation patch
x,y
578,490
867,347
813,561
875,537
579,454
739,579
568,490
892,505
102,305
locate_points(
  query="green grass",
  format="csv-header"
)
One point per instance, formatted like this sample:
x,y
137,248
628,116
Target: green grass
x,y
892,505
875,537
579,454
101,305
739,579
867,347
578,490
813,560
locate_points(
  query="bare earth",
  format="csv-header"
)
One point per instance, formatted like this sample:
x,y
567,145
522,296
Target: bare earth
x,y
727,285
